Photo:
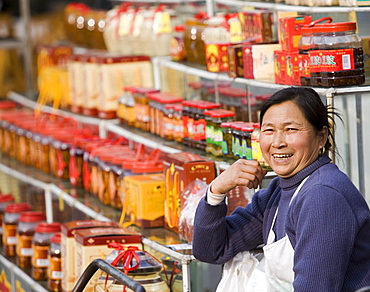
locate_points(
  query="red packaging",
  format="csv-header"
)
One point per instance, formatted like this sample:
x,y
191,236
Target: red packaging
x,y
180,170
217,57
290,31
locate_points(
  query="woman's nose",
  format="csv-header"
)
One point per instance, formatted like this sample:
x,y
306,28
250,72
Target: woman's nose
x,y
279,140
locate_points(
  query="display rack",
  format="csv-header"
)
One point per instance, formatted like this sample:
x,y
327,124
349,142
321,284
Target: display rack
x,y
52,189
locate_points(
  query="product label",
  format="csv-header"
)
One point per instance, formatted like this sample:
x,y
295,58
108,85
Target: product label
x,y
24,246
199,130
162,23
10,234
40,256
331,60
304,65
55,268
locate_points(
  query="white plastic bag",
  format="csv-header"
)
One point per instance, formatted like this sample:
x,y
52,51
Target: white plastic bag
x,y
243,274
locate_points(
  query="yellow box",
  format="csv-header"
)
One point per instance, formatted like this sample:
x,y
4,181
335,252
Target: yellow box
x,y
93,243
144,199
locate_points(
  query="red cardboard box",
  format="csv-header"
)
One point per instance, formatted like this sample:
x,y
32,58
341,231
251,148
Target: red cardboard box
x,y
181,169
290,31
287,67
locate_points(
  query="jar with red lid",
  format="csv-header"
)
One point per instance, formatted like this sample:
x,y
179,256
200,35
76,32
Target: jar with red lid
x,y
177,46
126,106
246,145
60,154
10,222
142,106
336,55
199,124
236,100
227,136
25,231
217,117
55,264
5,200
178,127
237,139
40,246
186,107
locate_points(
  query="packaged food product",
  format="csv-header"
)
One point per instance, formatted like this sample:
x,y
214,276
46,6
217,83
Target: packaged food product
x,y
25,231
10,223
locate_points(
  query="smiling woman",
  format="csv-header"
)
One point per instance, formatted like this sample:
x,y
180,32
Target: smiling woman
x,y
309,209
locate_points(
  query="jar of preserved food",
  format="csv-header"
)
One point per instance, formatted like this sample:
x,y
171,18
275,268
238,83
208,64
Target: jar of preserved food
x,y
256,149
25,231
40,246
126,106
55,264
237,140
336,57
5,200
185,119
219,116
227,136
246,148
10,222
178,128
140,95
177,46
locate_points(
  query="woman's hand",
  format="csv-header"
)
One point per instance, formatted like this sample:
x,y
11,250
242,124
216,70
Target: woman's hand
x,y
243,172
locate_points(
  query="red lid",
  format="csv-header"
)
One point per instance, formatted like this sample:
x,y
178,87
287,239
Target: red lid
x,y
221,113
335,27
144,90
57,238
178,107
208,105
6,198
48,227
32,216
248,128
129,88
238,125
233,91
256,125
226,124
18,207
147,167
179,28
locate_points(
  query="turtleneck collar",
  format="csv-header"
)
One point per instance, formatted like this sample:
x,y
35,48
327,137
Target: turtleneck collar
x,y
291,182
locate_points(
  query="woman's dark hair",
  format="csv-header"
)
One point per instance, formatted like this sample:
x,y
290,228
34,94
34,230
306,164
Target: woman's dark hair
x,y
312,107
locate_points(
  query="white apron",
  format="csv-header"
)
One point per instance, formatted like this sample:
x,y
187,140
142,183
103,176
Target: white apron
x,y
278,256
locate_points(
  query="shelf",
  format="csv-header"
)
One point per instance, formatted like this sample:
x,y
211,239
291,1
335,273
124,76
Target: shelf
x,y
12,276
286,7
155,238
192,69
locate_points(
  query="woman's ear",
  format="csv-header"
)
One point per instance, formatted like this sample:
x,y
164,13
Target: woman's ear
x,y
324,133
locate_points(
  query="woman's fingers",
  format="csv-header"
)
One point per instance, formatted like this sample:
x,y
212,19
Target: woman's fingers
x,y
242,173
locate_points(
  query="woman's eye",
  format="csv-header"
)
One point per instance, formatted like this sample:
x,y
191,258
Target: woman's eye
x,y
291,129
267,130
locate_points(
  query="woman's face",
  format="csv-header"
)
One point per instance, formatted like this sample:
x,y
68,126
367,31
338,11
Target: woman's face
x,y
288,141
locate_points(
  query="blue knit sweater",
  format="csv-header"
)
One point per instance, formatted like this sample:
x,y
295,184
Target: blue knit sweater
x,y
328,224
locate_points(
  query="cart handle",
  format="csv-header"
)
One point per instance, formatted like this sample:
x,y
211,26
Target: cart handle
x,y
109,269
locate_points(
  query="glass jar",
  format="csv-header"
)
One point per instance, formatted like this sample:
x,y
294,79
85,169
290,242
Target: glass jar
x,y
126,106
227,139
40,246
142,106
336,58
10,222
25,231
178,128
55,264
246,148
237,140
5,200
177,46
217,118
256,149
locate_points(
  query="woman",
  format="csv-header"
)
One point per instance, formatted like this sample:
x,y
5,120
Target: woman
x,y
320,237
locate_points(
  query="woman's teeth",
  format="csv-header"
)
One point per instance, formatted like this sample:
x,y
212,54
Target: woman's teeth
x,y
282,156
